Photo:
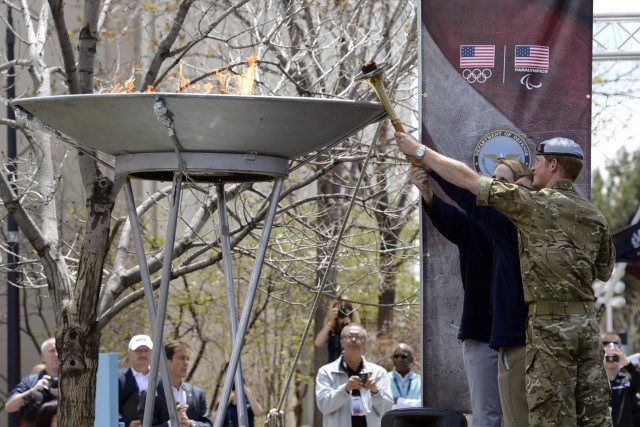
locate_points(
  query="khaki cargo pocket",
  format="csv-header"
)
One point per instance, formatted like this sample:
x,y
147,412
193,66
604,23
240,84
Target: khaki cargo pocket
x,y
540,389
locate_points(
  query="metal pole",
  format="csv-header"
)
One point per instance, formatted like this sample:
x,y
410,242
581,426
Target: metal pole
x,y
144,271
162,311
13,292
231,302
251,293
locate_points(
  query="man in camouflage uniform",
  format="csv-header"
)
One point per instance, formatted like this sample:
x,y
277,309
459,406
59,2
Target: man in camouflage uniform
x,y
565,244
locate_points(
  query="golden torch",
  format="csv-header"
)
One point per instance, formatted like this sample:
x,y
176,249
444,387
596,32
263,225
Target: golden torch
x,y
372,74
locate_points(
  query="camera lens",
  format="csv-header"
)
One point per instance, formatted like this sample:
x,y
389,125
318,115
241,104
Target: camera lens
x,y
342,312
611,358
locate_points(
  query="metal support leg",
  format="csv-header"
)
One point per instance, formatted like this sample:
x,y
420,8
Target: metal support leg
x,y
144,272
251,293
225,241
158,329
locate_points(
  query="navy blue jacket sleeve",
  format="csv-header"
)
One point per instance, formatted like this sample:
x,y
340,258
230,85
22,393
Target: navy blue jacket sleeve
x,y
198,410
490,219
449,220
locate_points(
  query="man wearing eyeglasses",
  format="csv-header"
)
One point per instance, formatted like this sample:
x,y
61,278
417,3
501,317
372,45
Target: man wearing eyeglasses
x,y
352,391
406,385
565,244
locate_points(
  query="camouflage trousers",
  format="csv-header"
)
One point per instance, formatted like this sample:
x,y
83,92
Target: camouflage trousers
x,y
565,378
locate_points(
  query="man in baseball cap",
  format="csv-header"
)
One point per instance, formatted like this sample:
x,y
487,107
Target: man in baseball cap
x,y
134,379
139,340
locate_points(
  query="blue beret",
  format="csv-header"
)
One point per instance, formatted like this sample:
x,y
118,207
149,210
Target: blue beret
x,y
559,147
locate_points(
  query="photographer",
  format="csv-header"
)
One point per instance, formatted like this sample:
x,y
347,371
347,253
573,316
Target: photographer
x,y
624,379
36,389
339,315
352,392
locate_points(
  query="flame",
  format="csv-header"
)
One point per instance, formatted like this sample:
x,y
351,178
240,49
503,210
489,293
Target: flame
x,y
243,84
127,87
240,84
248,77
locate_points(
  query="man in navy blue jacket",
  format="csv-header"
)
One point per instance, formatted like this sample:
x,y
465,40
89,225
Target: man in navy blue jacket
x,y
509,311
476,252
189,399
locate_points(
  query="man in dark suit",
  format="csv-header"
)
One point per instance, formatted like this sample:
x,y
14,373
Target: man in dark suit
x,y
134,379
189,399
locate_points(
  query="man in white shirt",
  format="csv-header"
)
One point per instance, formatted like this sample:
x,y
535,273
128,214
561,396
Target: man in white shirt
x,y
134,379
189,400
406,385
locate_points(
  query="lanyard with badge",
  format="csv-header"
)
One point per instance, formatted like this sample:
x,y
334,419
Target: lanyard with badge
x,y
400,392
357,407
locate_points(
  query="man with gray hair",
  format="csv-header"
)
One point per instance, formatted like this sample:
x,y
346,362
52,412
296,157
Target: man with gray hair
x,y
351,391
565,244
36,389
134,379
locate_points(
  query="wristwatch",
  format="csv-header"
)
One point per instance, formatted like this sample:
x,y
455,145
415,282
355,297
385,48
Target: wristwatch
x,y
420,152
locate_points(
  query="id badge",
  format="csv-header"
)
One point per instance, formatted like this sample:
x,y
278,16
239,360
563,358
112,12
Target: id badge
x,y
356,406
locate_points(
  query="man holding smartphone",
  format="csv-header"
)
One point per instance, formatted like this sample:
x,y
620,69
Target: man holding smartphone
x,y
624,379
352,391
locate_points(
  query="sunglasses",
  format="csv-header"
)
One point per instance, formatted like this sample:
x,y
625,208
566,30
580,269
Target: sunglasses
x,y
606,343
400,356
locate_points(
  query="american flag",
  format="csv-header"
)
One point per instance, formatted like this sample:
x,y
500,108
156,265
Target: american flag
x,y
532,56
472,56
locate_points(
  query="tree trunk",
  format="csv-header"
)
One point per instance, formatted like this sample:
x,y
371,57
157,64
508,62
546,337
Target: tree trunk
x,y
78,342
328,230
78,352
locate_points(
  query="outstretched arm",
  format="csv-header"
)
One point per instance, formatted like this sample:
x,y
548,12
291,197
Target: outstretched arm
x,y
450,169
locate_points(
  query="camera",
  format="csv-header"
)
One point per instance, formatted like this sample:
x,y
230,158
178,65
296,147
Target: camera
x,y
53,382
611,358
364,376
343,312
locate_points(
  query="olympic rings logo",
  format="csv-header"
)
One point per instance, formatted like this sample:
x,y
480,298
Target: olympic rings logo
x,y
476,75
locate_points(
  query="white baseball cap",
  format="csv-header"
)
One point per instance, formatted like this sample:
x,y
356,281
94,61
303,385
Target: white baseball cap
x,y
139,340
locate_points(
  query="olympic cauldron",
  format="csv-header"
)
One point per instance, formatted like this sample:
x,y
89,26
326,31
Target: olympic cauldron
x,y
206,138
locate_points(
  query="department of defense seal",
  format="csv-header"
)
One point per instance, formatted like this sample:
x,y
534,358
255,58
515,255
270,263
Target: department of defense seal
x,y
499,145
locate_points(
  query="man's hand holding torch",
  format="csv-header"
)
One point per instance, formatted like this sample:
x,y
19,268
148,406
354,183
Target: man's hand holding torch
x,y
411,148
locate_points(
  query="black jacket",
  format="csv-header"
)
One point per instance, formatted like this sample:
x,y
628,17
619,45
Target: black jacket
x,y
476,251
127,396
622,400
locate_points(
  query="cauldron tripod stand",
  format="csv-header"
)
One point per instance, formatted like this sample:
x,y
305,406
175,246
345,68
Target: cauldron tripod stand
x,y
207,138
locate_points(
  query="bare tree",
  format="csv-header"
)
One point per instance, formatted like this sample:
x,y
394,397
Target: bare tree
x,y
303,49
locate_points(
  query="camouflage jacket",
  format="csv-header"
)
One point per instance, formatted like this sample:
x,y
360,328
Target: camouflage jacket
x,y
564,240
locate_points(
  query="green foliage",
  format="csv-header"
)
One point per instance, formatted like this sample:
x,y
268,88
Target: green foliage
x,y
616,190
